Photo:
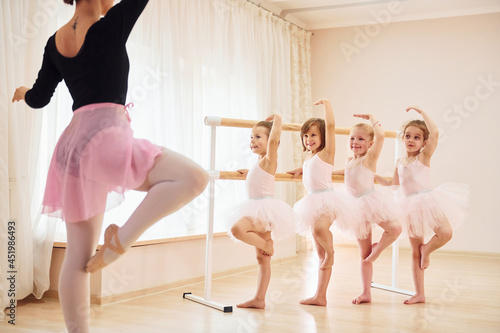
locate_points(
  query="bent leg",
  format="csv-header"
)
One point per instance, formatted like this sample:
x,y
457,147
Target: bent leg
x,y
264,261
418,274
245,231
324,237
74,282
365,248
392,230
442,236
173,182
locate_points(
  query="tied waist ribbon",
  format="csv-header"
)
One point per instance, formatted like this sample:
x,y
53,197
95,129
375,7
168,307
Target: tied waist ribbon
x,y
262,197
128,107
321,190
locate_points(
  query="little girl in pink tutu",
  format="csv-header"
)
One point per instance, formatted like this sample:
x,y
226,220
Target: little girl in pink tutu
x,y
376,206
263,218
426,210
322,205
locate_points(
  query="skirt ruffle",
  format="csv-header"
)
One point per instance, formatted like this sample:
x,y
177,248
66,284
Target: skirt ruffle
x,y
378,206
267,214
95,155
338,207
430,209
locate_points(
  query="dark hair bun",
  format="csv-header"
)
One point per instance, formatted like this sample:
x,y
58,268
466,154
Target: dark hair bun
x,y
69,2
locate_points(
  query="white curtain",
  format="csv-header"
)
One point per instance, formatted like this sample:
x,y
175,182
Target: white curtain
x,y
189,59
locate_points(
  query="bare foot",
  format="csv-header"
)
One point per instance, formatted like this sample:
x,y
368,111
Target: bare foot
x,y
415,299
363,298
424,257
253,304
327,262
315,300
269,249
374,254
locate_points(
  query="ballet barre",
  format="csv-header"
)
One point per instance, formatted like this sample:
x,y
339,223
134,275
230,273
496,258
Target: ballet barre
x,y
214,122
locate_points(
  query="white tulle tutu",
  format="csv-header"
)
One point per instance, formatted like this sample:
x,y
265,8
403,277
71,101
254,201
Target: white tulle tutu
x,y
337,206
267,214
378,206
426,210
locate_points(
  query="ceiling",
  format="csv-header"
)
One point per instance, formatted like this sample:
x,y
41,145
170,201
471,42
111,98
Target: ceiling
x,y
324,14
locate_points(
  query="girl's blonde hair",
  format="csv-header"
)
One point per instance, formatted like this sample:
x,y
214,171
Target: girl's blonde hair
x,y
268,125
307,125
419,124
367,128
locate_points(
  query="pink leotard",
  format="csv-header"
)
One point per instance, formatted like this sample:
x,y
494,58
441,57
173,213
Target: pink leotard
x,y
414,178
359,180
317,174
265,212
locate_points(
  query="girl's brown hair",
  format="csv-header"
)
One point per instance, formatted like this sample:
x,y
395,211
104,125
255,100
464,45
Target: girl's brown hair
x,y
367,128
320,123
268,125
419,124
69,2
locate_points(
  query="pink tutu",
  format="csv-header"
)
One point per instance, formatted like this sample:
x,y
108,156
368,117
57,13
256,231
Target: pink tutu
x,y
379,205
337,206
425,210
96,154
267,214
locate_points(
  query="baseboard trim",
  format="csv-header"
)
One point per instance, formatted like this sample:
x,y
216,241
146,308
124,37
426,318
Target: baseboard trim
x,y
104,300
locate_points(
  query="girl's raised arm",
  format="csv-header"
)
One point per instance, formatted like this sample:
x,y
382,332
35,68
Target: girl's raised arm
x,y
432,142
274,139
328,152
378,140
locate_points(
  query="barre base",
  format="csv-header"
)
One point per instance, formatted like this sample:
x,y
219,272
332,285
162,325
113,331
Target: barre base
x,y
394,290
215,305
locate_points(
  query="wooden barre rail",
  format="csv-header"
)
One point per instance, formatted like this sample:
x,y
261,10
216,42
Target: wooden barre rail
x,y
280,177
230,122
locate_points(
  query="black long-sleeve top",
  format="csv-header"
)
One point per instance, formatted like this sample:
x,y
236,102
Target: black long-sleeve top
x,y
99,72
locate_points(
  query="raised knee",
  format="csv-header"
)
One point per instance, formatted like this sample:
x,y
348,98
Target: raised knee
x,y
446,233
397,229
236,231
198,180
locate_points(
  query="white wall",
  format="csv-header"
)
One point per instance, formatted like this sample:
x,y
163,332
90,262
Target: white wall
x,y
441,65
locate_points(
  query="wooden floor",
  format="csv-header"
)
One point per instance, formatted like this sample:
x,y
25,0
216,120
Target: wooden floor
x,y
463,295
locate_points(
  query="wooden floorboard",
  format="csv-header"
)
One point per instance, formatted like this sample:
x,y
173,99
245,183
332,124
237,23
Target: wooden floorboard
x,y
463,295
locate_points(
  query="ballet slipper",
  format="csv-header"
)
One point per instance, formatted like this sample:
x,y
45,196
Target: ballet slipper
x,y
96,262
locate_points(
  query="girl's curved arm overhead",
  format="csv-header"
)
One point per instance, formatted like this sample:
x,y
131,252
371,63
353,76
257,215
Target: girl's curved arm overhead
x,y
271,159
328,153
432,142
378,141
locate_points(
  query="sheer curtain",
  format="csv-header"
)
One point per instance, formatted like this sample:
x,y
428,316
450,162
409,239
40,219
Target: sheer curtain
x,y
25,28
189,59
227,58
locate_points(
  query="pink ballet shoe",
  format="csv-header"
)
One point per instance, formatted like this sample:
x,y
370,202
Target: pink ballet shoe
x,y
96,262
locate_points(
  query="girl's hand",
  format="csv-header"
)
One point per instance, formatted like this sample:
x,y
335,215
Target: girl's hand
x,y
273,116
363,116
322,101
19,94
242,172
295,173
414,107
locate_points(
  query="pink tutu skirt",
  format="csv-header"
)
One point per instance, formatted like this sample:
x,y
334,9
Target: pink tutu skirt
x,y
426,210
337,206
96,154
378,206
267,214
